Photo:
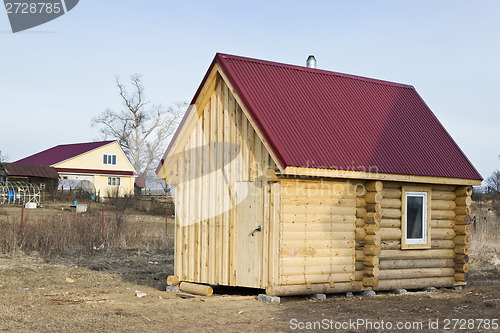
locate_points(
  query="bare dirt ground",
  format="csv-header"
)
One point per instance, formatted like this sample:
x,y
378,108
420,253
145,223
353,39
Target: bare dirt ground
x,y
96,292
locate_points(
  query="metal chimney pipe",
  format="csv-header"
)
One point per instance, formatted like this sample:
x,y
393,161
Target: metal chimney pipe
x,y
311,62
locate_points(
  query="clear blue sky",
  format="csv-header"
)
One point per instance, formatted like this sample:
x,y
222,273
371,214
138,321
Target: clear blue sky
x,y
56,77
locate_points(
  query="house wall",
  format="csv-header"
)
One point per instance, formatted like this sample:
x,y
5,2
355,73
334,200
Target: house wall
x,y
93,160
338,236
317,231
222,196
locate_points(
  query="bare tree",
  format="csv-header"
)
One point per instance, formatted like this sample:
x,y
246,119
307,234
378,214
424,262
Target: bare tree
x,y
493,182
4,158
142,129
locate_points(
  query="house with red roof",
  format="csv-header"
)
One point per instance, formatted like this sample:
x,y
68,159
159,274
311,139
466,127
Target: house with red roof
x,y
300,180
102,162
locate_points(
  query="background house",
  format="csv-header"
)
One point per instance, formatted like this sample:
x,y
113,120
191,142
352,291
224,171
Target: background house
x,y
301,180
45,177
103,163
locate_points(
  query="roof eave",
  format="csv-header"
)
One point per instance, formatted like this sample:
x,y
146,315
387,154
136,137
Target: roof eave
x,y
349,174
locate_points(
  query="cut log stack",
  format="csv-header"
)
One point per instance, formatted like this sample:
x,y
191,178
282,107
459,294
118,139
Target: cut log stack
x,y
360,232
462,231
372,219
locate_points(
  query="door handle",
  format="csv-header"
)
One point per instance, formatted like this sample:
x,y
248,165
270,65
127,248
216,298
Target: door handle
x,y
256,229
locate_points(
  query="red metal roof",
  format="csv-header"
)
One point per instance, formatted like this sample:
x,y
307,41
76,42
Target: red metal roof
x,y
26,170
321,119
61,153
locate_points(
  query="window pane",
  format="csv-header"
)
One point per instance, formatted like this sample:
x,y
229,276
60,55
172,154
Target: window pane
x,y
414,218
114,159
105,159
109,181
117,181
109,159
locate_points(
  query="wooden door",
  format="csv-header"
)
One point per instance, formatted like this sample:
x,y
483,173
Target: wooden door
x,y
249,231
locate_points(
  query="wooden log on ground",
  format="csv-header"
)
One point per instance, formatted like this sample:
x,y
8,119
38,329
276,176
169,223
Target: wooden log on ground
x,y
415,273
320,288
437,282
392,193
374,186
443,195
417,254
416,263
443,204
463,201
390,223
173,280
196,289
391,203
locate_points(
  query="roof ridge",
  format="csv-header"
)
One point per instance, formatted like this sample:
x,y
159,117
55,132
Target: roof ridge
x,y
317,71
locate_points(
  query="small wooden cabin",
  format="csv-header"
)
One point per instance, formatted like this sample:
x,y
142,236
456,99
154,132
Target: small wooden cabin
x,y
300,181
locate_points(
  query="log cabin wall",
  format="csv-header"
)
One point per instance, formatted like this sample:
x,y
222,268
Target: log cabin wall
x,y
317,231
221,194
320,228
444,264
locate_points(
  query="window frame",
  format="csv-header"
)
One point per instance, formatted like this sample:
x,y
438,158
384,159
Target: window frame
x,y
116,182
109,159
425,241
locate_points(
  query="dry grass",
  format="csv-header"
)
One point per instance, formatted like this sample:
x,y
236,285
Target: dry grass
x,y
485,242
50,231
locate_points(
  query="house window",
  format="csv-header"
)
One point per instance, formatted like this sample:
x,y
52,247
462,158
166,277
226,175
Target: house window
x,y
114,181
415,219
109,159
